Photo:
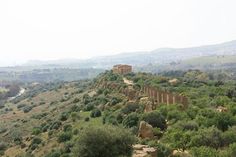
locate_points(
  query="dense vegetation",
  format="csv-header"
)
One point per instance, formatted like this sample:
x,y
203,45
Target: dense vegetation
x,y
85,118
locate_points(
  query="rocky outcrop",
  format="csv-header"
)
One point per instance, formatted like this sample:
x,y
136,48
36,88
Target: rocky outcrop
x,y
144,151
145,130
174,81
148,105
221,109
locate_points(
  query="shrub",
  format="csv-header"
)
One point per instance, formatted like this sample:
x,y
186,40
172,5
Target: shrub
x,y
2,130
68,147
55,125
64,116
75,108
115,101
3,146
96,113
63,137
17,140
106,141
67,127
89,107
210,137
131,120
76,100
232,149
163,150
155,119
26,109
21,106
224,120
74,116
36,131
191,125
119,118
36,140
110,119
75,131
157,132
204,151
86,119
33,146
130,108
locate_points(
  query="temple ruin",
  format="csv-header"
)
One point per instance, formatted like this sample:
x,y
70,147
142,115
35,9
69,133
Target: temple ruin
x,y
165,97
122,69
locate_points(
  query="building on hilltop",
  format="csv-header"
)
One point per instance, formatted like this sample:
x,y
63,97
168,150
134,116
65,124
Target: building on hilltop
x,y
122,69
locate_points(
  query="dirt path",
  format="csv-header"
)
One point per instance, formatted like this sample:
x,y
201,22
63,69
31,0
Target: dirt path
x,y
128,82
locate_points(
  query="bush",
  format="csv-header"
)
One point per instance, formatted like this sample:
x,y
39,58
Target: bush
x,y
67,127
88,107
18,140
36,131
109,118
204,152
21,106
106,141
3,146
64,116
96,113
130,108
155,119
26,109
63,137
210,137
74,116
115,101
224,120
36,140
163,150
232,149
131,120
86,119
190,125
55,125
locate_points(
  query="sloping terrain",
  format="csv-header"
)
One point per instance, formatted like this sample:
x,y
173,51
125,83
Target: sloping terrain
x,y
48,118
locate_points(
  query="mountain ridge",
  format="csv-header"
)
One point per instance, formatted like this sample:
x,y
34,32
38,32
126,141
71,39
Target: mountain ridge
x,y
139,58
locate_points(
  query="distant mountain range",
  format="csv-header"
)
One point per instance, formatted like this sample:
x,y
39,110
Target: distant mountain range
x,y
158,56
211,57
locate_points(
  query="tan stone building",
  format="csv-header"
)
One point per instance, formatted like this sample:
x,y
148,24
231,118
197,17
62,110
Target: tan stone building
x,y
122,69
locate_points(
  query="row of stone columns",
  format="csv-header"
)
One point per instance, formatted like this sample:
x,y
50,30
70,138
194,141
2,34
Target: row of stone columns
x,y
164,97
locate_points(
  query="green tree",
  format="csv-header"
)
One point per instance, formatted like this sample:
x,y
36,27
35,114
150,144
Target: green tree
x,y
131,120
155,119
95,113
224,120
105,141
204,152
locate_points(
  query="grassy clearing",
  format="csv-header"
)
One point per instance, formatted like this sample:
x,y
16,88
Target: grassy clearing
x,y
92,121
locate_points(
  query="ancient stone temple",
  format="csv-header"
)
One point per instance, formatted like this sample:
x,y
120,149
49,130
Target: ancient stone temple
x,y
122,69
159,96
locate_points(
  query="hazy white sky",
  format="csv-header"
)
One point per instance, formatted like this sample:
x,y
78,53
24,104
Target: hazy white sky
x,y
53,29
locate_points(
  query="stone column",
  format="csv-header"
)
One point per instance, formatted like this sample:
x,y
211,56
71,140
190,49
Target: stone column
x,y
170,98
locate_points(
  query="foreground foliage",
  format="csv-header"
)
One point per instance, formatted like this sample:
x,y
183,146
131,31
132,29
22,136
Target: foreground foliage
x,y
105,141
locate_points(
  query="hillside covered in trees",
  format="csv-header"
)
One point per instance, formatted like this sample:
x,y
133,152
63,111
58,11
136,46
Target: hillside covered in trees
x,y
96,118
